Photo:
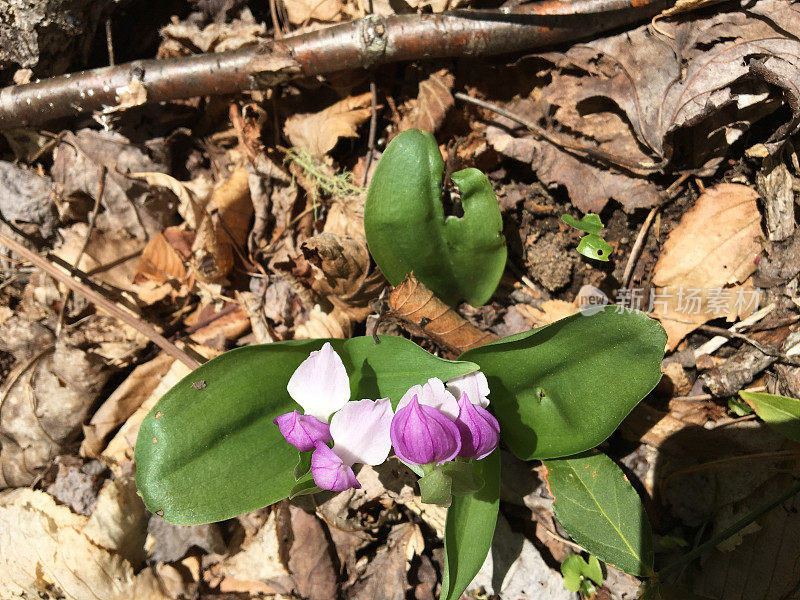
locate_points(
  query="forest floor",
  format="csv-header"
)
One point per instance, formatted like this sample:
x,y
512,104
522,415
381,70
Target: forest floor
x,y
229,220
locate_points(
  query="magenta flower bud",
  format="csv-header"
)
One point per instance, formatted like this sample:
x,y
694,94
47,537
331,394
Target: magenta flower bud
x,y
330,472
421,435
303,431
480,431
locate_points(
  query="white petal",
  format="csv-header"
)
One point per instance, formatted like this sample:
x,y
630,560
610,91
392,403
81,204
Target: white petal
x,y
320,383
475,386
360,431
432,394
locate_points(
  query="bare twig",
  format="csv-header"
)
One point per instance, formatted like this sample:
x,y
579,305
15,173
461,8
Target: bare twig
x,y
373,127
637,246
366,42
100,301
777,354
92,220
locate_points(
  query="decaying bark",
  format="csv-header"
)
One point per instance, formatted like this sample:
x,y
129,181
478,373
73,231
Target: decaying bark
x,y
364,43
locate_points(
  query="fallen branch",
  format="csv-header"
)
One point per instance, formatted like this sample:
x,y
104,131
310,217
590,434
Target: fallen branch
x,y
364,43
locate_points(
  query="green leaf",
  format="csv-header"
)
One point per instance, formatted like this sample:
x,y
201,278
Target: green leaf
x,y
305,485
738,407
436,487
600,510
590,223
469,529
456,258
303,464
575,570
779,412
213,453
565,388
595,247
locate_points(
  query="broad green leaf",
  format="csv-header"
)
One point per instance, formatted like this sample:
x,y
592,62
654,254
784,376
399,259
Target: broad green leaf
x,y
456,258
213,453
779,412
565,388
595,247
469,529
590,223
303,464
600,510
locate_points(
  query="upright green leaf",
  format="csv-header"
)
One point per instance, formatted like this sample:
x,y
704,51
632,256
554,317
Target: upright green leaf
x,y
211,452
598,507
565,388
469,529
456,258
779,412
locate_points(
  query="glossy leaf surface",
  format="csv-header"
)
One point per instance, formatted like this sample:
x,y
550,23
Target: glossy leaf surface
x,y
469,530
565,388
213,453
598,507
456,258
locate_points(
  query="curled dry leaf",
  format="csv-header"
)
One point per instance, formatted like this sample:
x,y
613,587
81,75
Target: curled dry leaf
x,y
648,102
343,273
424,314
428,110
323,325
317,133
714,247
185,37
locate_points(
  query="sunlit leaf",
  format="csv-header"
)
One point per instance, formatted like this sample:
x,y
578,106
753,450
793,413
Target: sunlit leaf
x,y
779,412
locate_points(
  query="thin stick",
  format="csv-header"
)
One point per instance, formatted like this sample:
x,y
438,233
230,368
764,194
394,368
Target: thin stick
x,y
363,43
777,354
373,127
100,301
109,42
92,219
637,246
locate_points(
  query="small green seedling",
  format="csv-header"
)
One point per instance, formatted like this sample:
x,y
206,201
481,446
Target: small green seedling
x,y
739,407
591,245
581,576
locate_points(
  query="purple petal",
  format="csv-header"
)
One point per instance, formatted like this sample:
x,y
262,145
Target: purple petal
x,y
360,431
421,435
432,394
474,385
320,384
329,472
480,431
302,431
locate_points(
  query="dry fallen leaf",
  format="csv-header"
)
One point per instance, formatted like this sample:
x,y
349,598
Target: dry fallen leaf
x,y
428,110
426,315
50,552
710,253
317,133
123,402
185,37
301,12
343,273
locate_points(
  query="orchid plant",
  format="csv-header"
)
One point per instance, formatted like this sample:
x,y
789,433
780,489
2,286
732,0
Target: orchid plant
x,y
279,420
288,418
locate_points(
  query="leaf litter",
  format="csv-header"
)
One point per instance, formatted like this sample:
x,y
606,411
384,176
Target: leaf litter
x,y
231,221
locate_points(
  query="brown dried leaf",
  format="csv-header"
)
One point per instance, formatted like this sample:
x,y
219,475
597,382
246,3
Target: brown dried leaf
x,y
428,110
300,12
310,561
186,37
123,402
317,133
323,325
549,312
164,257
426,315
75,556
343,273
713,247
385,577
